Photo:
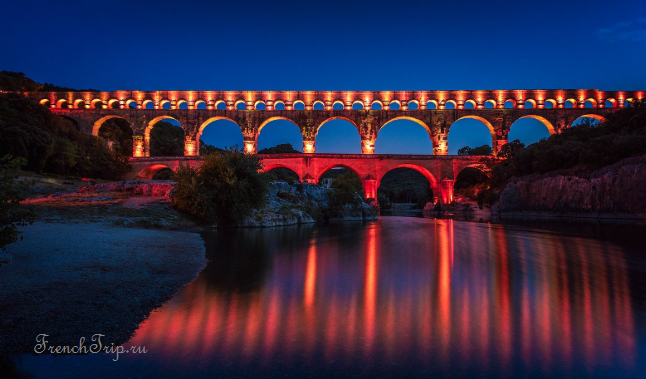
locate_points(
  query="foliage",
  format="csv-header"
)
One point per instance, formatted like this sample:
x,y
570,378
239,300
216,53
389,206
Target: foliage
x,y
404,185
11,214
118,134
510,149
206,149
283,174
480,150
283,148
166,140
346,189
17,81
53,144
224,189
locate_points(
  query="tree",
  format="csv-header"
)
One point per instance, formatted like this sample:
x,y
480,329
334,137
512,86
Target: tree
x,y
206,149
17,81
510,149
345,189
480,150
11,214
283,148
224,189
166,140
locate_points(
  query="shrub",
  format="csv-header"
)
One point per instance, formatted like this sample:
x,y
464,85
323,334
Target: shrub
x,y
224,189
345,189
11,214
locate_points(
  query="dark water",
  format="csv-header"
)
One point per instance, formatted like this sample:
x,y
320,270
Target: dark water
x,y
401,297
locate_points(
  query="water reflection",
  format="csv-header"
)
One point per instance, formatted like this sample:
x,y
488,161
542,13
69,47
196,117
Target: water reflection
x,y
403,296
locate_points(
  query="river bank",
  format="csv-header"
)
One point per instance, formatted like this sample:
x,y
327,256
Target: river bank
x,y
88,267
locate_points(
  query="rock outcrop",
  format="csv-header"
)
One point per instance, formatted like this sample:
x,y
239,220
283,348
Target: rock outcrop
x,y
614,191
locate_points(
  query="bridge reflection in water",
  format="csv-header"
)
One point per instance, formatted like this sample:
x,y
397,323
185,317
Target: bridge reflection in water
x,y
404,295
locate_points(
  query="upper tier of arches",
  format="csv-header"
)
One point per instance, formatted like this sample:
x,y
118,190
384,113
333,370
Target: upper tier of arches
x,y
348,100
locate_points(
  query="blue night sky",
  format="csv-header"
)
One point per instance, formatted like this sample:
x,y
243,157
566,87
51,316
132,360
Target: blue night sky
x,y
333,45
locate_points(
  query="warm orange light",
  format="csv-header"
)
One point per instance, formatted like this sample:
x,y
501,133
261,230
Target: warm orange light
x,y
308,147
138,146
250,147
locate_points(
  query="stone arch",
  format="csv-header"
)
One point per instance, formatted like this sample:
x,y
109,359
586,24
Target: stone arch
x,y
209,121
148,172
335,118
97,124
335,165
492,102
433,104
596,117
552,102
181,102
377,102
548,125
592,102
163,103
130,102
482,120
114,104
421,169
45,103
338,102
419,122
147,102
397,103
78,102
278,104
359,103
570,101
512,101
62,104
270,119
472,103
151,124
316,107
531,102
611,101
454,104
415,104
272,166
294,105
260,103
238,103
97,104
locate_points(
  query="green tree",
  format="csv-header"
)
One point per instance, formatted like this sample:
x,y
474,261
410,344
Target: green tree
x,y
12,215
283,148
206,149
480,150
510,149
166,140
224,189
345,189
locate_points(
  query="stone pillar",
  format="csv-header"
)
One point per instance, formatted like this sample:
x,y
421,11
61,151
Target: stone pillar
x,y
404,105
370,187
367,146
441,147
251,145
190,146
137,146
147,145
309,146
498,144
446,191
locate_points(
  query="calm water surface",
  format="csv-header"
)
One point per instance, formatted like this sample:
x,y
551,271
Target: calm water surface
x,y
401,297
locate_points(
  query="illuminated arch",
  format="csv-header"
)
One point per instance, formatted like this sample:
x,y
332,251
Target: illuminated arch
x,y
77,102
612,101
492,102
548,125
154,121
472,102
270,167
277,102
45,102
98,123
235,105
628,102
335,118
216,104
112,102
551,102
145,103
258,102
357,102
532,102
453,102
332,166
267,121
434,104
419,122
596,117
512,101
130,101
318,102
148,172
378,102
61,102
421,169
298,102
338,102
592,101
179,103
413,102
482,120
210,120
570,101
395,101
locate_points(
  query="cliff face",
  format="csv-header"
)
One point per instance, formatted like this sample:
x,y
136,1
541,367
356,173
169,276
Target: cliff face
x,y
617,190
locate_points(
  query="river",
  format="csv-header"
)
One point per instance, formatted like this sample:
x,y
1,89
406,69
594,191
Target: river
x,y
400,297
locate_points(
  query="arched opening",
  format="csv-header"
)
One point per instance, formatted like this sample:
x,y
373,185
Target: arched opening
x,y
590,103
338,136
219,133
404,190
329,174
96,127
117,134
337,106
200,104
131,104
450,105
412,105
182,104
432,104
550,103
530,104
148,104
490,104
260,106
469,182
277,132
570,103
62,104
404,135
376,106
165,104
79,104
471,135
628,103
163,174
166,137
588,120
149,172
45,103
240,105
470,104
220,105
510,104
357,106
282,174
114,104
299,106
610,103
319,106
394,105
530,129
279,106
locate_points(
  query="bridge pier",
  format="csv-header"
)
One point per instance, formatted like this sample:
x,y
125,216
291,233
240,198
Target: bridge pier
x,y
370,188
446,191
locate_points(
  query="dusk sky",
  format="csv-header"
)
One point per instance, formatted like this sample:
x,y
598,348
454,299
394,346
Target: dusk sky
x,y
333,45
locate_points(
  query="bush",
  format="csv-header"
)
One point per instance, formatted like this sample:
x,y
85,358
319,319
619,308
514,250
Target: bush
x,y
345,189
224,189
11,214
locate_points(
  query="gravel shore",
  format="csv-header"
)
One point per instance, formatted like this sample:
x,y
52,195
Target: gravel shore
x,y
83,269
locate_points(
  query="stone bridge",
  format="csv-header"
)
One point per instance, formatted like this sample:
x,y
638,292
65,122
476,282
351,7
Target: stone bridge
x,y
440,171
